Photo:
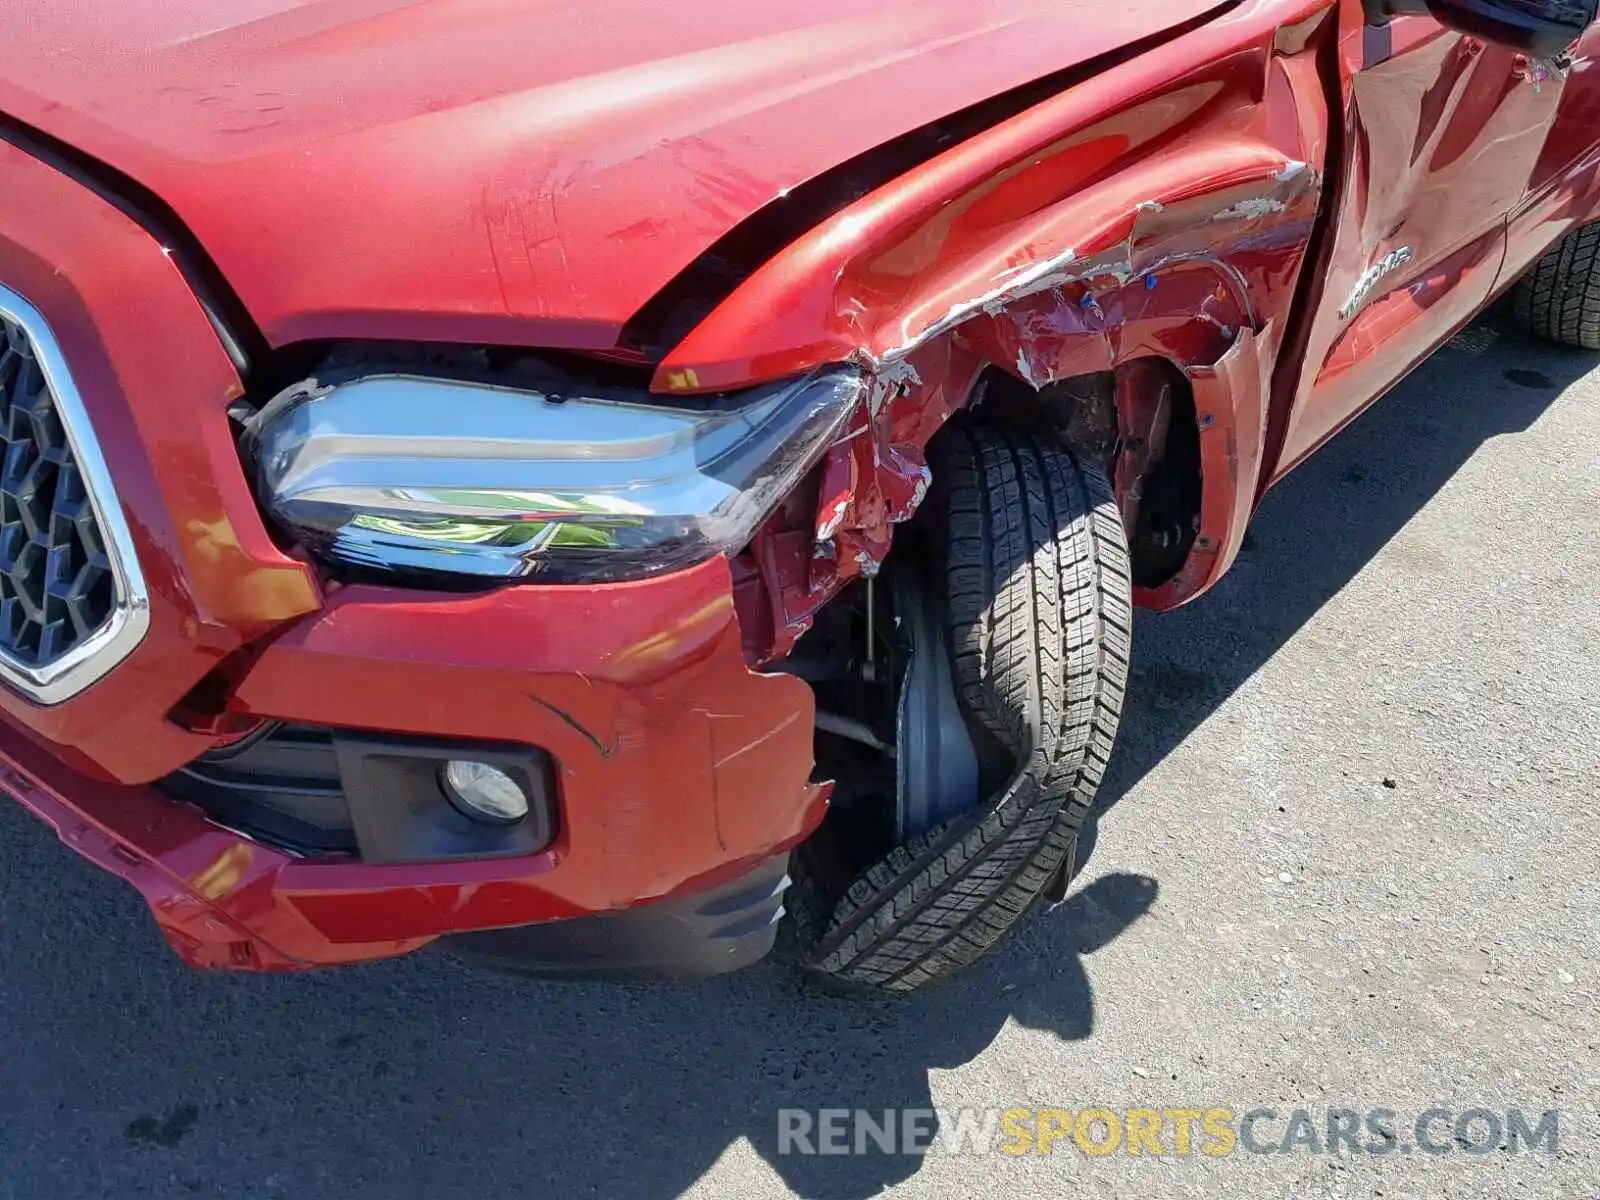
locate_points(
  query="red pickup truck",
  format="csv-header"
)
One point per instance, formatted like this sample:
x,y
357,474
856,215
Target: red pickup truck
x,y
573,484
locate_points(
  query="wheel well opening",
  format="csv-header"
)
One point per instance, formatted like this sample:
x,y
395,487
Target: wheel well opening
x,y
1139,421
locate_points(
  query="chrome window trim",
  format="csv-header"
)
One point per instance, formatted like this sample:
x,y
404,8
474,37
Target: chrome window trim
x,y
90,659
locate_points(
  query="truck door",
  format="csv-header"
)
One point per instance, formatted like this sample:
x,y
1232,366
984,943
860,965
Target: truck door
x,y
1442,133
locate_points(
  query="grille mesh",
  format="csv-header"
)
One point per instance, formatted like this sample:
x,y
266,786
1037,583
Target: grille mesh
x,y
56,582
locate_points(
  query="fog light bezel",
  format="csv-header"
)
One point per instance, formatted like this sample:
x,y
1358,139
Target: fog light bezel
x,y
401,813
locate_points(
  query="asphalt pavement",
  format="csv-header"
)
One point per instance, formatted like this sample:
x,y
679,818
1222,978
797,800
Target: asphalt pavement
x,y
1346,860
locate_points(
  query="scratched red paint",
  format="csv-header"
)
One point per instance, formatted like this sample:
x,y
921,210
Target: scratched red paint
x,y
562,124
1188,249
494,172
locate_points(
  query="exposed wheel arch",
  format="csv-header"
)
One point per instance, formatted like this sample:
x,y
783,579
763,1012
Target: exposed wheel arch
x,y
1139,423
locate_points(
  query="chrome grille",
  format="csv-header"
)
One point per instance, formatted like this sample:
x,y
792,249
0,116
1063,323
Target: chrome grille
x,y
56,587
72,600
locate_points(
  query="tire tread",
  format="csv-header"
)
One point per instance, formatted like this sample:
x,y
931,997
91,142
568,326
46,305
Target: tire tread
x,y
1039,597
1559,298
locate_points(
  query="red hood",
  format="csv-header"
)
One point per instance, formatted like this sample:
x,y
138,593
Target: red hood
x,y
505,170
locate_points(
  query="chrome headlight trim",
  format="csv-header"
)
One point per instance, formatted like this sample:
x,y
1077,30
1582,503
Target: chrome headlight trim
x,y
411,473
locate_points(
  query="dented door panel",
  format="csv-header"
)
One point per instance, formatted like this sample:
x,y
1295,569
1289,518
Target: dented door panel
x,y
1441,135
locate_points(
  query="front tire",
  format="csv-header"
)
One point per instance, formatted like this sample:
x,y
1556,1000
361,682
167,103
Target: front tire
x,y
1035,563
1559,298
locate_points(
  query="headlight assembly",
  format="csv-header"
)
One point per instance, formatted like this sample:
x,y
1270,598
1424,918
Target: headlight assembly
x,y
409,473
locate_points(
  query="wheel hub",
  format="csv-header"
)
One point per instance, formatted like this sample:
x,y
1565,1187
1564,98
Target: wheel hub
x,y
936,776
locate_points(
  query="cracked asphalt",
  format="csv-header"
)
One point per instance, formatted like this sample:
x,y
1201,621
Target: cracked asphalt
x,y
1346,858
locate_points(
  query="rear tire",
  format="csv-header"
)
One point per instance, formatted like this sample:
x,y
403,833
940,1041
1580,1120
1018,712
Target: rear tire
x,y
1040,613
1559,298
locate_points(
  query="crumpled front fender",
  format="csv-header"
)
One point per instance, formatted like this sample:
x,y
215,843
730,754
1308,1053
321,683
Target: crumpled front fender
x,y
1162,210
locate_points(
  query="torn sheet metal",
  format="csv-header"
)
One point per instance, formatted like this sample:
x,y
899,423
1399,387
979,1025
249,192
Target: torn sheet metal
x,y
1182,285
1160,237
875,477
1171,226
1171,289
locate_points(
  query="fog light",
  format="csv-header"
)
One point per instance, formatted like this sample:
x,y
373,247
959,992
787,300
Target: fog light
x,y
484,793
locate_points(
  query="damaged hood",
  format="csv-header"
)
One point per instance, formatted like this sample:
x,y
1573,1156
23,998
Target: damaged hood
x,y
505,170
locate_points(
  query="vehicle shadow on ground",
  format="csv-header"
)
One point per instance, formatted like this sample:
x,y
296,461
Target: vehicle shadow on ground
x,y
1319,527
423,1078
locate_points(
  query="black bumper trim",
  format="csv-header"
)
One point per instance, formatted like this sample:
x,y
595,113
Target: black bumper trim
x,y
694,937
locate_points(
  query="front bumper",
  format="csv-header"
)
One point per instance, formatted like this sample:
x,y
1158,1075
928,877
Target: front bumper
x,y
680,773
678,769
